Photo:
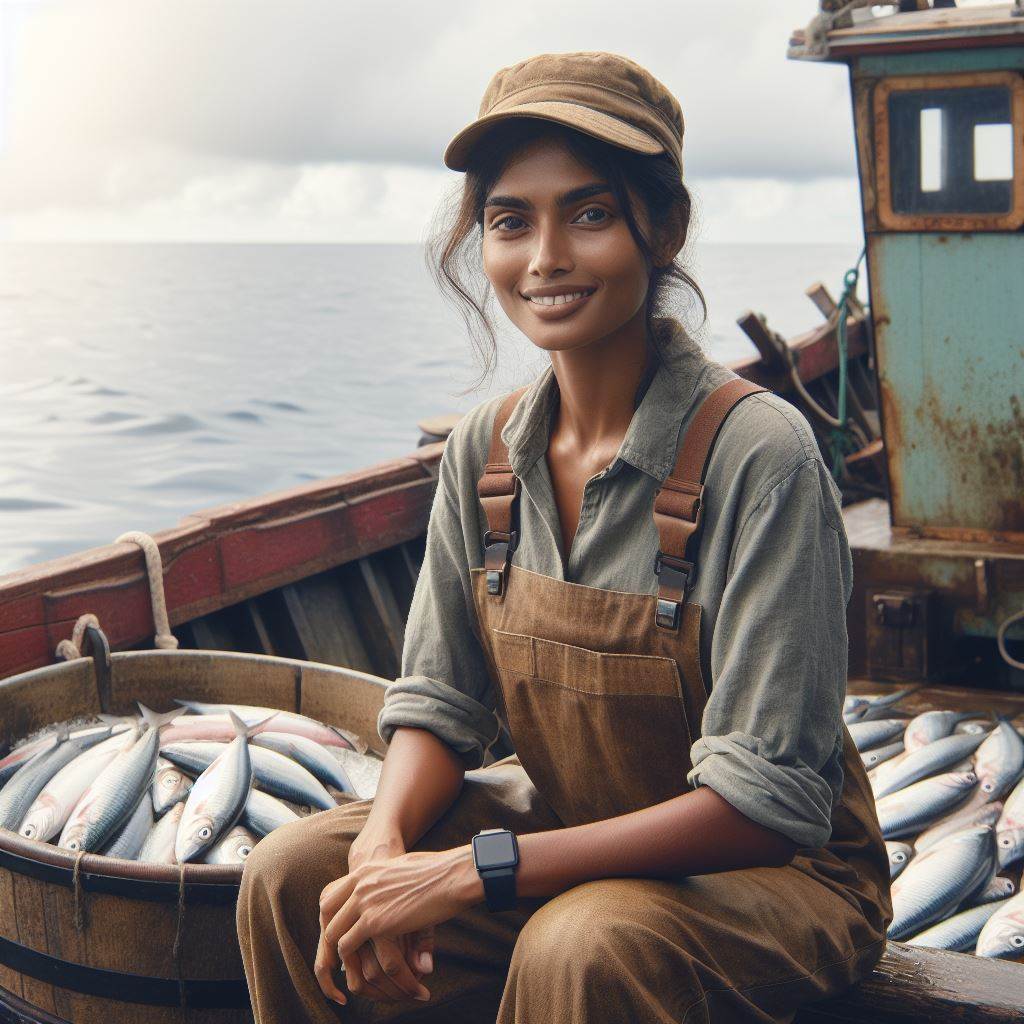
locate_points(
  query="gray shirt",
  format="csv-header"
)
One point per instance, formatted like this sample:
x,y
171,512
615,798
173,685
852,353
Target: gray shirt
x,y
774,575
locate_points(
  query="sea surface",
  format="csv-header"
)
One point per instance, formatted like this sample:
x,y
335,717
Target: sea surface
x,y
142,383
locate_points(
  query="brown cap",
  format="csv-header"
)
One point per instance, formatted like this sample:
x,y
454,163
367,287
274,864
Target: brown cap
x,y
601,94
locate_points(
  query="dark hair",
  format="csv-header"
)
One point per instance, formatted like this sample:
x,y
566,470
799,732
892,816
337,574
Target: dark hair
x,y
453,248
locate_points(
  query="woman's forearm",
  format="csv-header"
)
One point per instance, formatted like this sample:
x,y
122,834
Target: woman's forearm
x,y
420,780
695,833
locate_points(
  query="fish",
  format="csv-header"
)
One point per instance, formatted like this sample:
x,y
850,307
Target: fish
x,y
52,807
879,755
24,753
874,734
929,726
263,813
958,933
170,786
1010,845
899,856
998,763
127,842
277,774
999,888
233,848
284,721
973,725
1003,933
159,845
18,796
911,809
218,797
963,817
108,803
879,705
317,760
937,756
937,881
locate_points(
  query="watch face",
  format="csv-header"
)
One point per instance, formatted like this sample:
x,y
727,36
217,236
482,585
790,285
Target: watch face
x,y
495,851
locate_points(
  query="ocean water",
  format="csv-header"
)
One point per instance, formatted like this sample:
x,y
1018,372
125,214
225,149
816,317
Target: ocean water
x,y
142,383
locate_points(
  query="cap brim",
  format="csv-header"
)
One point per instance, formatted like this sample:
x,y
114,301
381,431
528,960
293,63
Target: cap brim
x,y
573,115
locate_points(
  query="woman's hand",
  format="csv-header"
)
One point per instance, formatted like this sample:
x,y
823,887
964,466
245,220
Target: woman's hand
x,y
387,897
382,968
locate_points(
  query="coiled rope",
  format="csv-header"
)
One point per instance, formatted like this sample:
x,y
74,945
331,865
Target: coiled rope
x,y
164,639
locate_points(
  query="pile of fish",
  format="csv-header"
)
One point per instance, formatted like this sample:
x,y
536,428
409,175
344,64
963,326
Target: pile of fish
x,y
949,792
201,783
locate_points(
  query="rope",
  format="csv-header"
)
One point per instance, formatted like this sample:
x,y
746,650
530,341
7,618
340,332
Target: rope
x,y
164,638
841,441
71,649
178,932
1001,633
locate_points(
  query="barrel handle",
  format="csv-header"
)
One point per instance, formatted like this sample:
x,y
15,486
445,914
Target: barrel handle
x,y
164,639
87,628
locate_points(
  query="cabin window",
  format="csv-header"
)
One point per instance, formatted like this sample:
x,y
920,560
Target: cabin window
x,y
949,151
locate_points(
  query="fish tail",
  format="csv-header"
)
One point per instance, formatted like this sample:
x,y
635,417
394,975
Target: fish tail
x,y
188,705
157,719
242,729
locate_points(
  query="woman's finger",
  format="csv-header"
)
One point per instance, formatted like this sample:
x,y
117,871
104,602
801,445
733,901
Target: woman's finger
x,y
384,964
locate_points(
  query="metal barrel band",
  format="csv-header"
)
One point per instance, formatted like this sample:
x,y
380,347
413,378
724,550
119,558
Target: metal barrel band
x,y
674,578
498,547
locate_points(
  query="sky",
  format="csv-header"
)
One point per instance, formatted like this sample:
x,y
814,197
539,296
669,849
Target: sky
x,y
325,120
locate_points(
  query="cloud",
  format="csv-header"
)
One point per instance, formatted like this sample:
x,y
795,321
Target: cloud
x,y
326,119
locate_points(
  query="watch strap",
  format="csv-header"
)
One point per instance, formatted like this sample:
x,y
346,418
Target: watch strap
x,y
500,888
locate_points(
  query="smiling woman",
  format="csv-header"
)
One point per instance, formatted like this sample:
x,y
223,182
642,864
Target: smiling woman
x,y
633,595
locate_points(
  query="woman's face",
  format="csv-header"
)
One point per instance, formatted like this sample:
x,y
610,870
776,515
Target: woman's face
x,y
552,227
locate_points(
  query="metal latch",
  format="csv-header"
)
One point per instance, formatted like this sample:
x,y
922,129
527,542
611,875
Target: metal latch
x,y
899,624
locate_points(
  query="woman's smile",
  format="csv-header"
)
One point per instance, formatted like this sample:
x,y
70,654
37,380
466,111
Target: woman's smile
x,y
557,305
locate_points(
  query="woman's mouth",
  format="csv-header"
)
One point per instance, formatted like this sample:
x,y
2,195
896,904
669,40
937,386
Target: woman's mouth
x,y
555,307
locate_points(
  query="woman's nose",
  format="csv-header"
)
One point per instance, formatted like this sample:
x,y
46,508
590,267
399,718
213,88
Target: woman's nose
x,y
551,252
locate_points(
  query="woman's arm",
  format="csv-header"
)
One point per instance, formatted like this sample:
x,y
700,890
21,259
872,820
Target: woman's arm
x,y
691,834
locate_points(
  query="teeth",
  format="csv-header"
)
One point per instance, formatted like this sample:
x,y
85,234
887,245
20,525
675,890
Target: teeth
x,y
556,300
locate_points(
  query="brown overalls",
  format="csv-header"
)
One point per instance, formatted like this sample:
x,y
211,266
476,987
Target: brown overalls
x,y
602,692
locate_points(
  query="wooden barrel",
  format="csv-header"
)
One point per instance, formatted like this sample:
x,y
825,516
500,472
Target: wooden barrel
x,y
86,938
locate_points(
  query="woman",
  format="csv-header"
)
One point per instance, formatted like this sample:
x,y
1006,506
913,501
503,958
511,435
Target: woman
x,y
635,567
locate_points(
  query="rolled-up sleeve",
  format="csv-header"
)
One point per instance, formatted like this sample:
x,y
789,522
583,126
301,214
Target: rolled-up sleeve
x,y
444,685
772,728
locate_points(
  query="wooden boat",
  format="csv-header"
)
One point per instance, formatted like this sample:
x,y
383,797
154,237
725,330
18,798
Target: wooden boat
x,y
301,596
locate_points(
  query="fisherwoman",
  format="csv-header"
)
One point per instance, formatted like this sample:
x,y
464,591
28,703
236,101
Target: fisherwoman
x,y
635,578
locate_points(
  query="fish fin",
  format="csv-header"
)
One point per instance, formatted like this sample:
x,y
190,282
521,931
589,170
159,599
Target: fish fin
x,y
357,743
158,719
188,705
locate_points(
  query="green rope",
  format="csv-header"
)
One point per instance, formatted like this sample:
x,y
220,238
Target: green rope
x,y
841,440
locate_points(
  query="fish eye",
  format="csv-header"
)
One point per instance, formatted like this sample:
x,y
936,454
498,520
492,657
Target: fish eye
x,y
899,858
987,787
29,831
73,844
244,851
205,832
1004,840
1018,940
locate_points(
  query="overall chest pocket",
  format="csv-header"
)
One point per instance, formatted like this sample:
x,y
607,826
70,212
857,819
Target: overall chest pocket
x,y
599,734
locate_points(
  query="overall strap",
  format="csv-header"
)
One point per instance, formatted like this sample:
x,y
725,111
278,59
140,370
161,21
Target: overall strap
x,y
678,508
498,488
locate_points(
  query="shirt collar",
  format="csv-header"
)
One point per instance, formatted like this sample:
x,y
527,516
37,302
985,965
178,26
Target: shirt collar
x,y
652,438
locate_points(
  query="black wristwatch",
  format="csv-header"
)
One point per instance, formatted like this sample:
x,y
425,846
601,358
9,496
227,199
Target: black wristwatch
x,y
496,854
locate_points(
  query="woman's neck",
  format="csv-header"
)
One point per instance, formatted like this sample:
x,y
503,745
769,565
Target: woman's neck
x,y
598,386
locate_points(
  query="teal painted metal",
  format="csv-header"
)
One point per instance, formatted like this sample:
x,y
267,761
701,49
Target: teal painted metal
x,y
949,335
996,58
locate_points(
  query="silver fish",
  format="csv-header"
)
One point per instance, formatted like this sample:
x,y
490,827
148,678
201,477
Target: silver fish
x,y
958,933
999,761
999,888
879,755
964,817
107,804
874,734
52,807
937,756
879,707
22,754
899,856
317,760
159,844
263,813
233,848
973,725
1010,845
284,721
18,796
170,786
1003,934
128,841
277,774
932,725
909,810
935,882
218,796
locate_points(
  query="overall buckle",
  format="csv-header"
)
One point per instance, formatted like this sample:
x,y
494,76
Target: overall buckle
x,y
674,578
498,548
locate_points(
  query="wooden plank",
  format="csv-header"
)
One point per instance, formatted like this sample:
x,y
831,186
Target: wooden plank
x,y
325,623
259,625
9,979
385,603
913,984
30,916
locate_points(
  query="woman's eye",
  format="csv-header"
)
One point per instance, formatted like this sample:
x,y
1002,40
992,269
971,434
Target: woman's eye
x,y
595,209
497,224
